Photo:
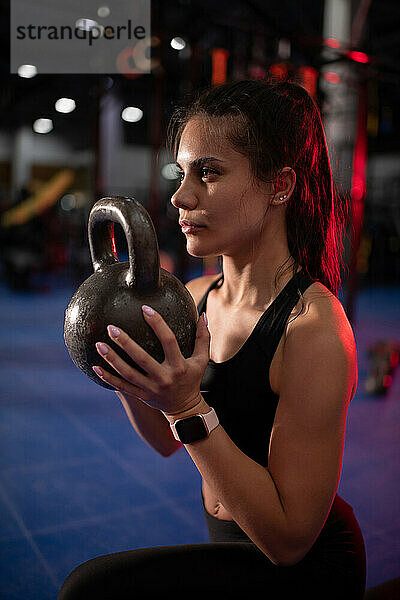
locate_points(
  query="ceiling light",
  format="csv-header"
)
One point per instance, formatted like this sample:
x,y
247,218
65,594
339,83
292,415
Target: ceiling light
x,y
178,43
65,105
132,114
68,202
169,171
103,12
43,125
27,71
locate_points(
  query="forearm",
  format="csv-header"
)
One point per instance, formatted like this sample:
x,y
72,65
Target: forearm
x,y
245,488
150,424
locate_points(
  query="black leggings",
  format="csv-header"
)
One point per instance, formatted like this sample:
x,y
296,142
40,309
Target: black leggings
x,y
227,569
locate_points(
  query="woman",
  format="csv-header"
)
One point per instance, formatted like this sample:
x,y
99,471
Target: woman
x,y
261,404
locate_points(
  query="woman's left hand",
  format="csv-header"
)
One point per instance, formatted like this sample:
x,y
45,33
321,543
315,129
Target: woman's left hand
x,y
172,386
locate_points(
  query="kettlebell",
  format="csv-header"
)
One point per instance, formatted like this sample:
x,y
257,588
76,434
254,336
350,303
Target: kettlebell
x,y
115,292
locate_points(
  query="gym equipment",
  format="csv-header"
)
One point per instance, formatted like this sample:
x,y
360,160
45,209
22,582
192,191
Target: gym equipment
x,y
115,292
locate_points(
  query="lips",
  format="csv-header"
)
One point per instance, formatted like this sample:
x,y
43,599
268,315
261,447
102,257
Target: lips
x,y
185,223
192,228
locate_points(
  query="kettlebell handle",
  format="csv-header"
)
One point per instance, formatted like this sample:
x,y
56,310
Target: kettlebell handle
x,y
143,251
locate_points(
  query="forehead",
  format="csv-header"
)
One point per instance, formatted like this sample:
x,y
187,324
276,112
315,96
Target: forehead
x,y
205,137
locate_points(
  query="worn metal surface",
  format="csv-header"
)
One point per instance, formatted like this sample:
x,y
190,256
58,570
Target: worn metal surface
x,y
115,292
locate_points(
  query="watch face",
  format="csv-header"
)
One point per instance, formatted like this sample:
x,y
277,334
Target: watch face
x,y
191,429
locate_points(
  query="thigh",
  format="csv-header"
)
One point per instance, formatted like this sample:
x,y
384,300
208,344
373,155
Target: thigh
x,y
212,568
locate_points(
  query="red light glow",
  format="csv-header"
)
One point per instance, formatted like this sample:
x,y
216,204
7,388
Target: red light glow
x,y
358,186
332,77
124,65
309,77
219,65
332,43
358,183
360,57
387,380
257,72
113,247
394,359
280,71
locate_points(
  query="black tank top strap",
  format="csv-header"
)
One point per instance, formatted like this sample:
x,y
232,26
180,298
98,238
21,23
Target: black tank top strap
x,y
273,321
201,307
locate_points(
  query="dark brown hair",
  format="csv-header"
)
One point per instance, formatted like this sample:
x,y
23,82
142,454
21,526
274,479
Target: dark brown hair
x,y
276,125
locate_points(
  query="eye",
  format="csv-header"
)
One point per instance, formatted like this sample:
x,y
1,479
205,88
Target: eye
x,y
206,172
179,176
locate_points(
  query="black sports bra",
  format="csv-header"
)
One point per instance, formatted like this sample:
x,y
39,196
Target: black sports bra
x,y
238,388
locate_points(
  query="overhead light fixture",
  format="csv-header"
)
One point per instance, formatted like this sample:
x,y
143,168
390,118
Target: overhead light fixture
x,y
132,114
68,202
108,83
103,12
27,71
169,171
42,125
178,43
284,49
65,105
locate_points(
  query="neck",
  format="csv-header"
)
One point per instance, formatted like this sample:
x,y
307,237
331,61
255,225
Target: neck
x,y
249,279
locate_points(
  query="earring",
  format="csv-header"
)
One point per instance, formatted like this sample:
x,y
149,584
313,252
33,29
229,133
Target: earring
x,y
282,197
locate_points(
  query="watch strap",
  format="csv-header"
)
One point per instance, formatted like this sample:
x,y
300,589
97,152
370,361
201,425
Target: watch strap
x,y
209,419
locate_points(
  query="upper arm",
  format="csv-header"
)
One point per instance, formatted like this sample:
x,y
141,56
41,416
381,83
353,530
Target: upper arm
x,y
307,439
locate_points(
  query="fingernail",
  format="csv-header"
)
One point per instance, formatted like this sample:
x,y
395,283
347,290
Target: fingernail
x,y
205,319
148,310
102,348
113,331
98,371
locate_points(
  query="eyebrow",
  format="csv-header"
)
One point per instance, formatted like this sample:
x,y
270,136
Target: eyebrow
x,y
199,162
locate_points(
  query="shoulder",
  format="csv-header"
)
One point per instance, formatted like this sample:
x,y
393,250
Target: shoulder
x,y
320,327
198,286
320,310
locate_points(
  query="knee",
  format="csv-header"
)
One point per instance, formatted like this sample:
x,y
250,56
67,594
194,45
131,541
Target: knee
x,y
114,576
90,580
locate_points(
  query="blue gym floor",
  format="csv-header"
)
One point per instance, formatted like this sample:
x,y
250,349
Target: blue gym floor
x,y
76,482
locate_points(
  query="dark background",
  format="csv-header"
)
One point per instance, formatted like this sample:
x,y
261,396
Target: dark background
x,y
235,26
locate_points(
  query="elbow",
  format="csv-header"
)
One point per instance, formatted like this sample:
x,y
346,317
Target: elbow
x,y
292,545
288,560
286,555
291,554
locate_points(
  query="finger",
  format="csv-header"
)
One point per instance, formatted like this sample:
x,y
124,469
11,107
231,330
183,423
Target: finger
x,y
164,333
203,338
126,371
117,383
136,352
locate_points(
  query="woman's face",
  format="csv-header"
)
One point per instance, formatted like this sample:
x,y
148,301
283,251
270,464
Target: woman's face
x,y
217,191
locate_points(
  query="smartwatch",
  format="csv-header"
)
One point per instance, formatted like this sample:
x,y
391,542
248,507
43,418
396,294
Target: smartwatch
x,y
194,428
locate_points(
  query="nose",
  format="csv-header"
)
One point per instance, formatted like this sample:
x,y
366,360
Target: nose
x,y
184,197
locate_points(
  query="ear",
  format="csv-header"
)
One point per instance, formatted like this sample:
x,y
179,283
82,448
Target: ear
x,y
286,182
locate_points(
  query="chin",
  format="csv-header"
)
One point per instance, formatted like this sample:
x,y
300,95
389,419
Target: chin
x,y
202,254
